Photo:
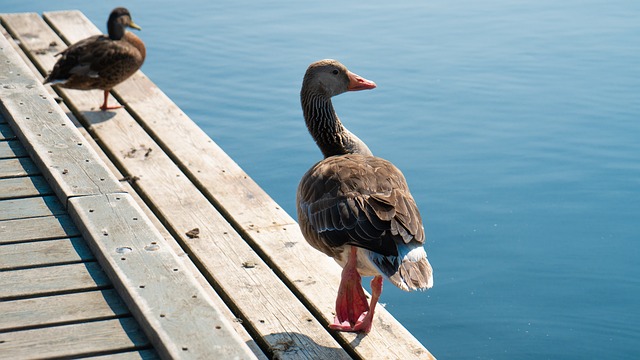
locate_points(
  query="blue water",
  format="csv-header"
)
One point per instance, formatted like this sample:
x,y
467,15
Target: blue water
x,y
516,123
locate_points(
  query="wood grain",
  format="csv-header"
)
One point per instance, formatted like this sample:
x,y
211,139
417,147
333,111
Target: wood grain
x,y
17,167
11,188
41,253
30,207
73,340
12,149
39,228
5,131
51,280
60,309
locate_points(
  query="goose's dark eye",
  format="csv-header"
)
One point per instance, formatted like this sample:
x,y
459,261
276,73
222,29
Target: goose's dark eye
x,y
335,71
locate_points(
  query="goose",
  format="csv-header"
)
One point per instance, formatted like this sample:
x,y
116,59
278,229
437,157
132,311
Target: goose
x,y
101,62
355,207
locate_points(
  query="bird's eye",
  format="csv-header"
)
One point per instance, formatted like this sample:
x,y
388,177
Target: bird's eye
x,y
335,71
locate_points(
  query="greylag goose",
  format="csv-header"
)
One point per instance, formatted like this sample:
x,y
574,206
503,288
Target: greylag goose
x,y
101,62
356,207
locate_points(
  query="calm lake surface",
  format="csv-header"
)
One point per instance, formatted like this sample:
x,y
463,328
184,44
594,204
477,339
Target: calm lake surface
x,y
516,123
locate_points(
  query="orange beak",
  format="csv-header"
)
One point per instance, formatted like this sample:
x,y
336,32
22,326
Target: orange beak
x,y
359,83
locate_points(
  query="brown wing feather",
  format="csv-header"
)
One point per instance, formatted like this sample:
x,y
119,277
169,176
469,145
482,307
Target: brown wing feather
x,y
358,200
96,62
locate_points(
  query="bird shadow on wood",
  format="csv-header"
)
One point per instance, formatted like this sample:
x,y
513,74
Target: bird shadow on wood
x,y
98,116
291,345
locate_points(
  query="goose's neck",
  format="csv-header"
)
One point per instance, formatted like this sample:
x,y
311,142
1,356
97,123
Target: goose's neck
x,y
326,128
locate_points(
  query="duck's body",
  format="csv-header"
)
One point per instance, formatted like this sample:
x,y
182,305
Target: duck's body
x,y
356,207
101,61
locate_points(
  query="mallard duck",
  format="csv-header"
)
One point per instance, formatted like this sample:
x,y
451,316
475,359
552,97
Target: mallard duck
x,y
356,207
101,62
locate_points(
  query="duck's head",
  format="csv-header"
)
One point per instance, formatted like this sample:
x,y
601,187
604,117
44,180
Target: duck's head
x,y
119,20
330,78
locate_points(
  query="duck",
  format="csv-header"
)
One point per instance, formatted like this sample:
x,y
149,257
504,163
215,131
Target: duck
x,y
101,61
356,207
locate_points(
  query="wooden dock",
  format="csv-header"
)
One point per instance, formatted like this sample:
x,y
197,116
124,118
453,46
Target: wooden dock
x,y
99,252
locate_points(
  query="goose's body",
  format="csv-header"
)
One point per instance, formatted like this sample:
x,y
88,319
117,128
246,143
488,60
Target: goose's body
x,y
101,61
356,207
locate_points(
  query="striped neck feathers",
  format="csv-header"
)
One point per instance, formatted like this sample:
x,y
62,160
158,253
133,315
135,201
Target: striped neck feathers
x,y
327,130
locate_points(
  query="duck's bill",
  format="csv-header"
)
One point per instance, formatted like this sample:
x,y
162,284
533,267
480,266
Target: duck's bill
x,y
134,26
357,82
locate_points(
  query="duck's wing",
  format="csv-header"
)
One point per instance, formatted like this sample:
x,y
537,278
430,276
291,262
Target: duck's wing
x,y
362,201
92,58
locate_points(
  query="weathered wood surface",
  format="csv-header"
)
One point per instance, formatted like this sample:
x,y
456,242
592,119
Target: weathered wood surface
x,y
192,326
53,142
143,267
265,304
259,219
30,207
131,355
11,188
11,149
170,241
73,340
41,253
17,167
51,280
60,309
38,228
6,133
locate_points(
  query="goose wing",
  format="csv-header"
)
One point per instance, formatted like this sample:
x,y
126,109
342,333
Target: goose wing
x,y
358,200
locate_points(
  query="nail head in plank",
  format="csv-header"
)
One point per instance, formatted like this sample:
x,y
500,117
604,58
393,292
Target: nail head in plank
x,y
60,309
51,280
72,340
164,298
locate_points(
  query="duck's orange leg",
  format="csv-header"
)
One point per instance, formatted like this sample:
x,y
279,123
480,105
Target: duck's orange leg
x,y
104,105
351,303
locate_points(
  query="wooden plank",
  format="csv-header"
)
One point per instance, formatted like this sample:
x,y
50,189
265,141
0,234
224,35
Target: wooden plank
x,y
53,142
73,340
184,206
60,309
211,294
30,207
164,297
131,355
17,167
6,133
27,186
40,228
12,149
51,280
265,304
260,219
40,253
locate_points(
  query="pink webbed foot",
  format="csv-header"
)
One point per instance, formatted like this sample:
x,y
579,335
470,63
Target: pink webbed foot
x,y
353,313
